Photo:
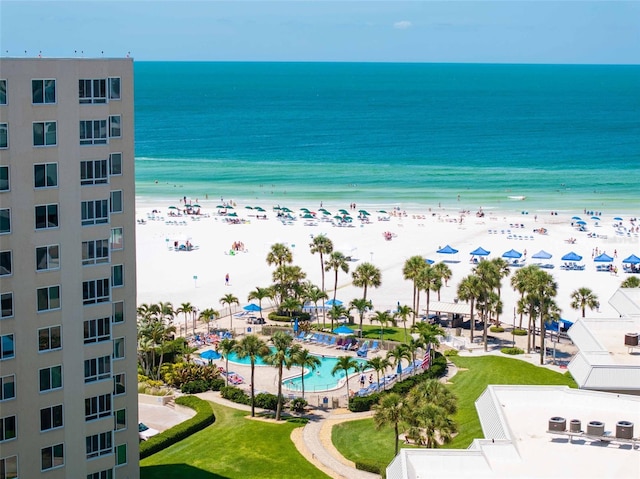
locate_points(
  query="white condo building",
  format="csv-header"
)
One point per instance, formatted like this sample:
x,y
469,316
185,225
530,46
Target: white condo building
x,y
68,377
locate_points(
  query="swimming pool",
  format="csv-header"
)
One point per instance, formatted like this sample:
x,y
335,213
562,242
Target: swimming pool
x,y
320,379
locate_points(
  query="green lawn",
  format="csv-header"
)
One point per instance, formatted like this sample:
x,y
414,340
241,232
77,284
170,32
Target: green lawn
x,y
232,447
360,441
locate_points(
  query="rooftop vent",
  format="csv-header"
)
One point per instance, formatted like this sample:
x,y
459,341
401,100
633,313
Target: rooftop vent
x,y
631,339
557,424
595,428
624,430
575,425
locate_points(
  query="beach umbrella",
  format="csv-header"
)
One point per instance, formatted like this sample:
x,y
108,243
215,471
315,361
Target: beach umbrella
x,y
295,325
196,206
479,251
306,210
249,207
229,207
325,212
576,218
512,254
617,218
221,207
447,250
542,254
233,215
343,330
276,208
633,259
331,302
382,211
595,218
364,212
337,217
210,354
286,210
322,209
173,207
258,208
571,257
429,261
252,307
399,367
603,258
308,216
581,222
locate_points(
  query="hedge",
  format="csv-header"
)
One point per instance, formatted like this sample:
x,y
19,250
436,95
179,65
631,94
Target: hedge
x,y
203,418
511,351
496,329
369,467
519,332
285,318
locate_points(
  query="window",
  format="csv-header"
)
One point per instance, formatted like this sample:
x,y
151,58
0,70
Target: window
x,y
52,456
5,263
117,276
96,369
45,175
47,257
7,387
118,312
43,91
95,252
119,386
6,300
97,330
50,378
99,444
114,88
7,346
49,338
120,419
95,291
116,201
46,216
4,135
45,133
115,131
118,348
117,238
93,132
106,474
50,417
121,454
95,212
3,92
5,221
115,164
93,172
97,407
4,173
92,91
48,298
7,428
9,467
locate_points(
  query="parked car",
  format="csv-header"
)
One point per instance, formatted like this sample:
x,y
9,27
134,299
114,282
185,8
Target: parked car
x,y
145,432
255,320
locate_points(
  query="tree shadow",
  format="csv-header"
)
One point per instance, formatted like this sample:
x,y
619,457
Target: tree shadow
x,y
177,470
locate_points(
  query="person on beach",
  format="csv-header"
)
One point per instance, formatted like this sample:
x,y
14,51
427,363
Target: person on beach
x,y
226,280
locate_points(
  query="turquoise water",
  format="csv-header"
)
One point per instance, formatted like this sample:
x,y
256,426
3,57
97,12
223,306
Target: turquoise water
x,y
565,136
320,379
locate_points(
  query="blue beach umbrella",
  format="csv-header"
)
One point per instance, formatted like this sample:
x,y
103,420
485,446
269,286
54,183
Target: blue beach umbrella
x,y
576,218
252,307
596,218
571,257
542,254
512,254
331,302
617,218
581,222
210,354
603,258
295,325
479,251
447,250
343,330
633,259
429,261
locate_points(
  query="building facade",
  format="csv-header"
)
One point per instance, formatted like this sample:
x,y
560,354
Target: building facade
x,y
68,377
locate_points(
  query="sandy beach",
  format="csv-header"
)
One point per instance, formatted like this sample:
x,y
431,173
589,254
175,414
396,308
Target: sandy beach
x,y
198,276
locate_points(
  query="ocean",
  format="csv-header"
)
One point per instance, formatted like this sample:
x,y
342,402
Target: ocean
x,y
564,137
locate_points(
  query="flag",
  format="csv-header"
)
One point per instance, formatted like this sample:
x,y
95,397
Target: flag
x,y
426,361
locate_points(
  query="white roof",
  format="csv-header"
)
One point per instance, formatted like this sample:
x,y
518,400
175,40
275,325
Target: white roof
x,y
626,301
521,448
444,307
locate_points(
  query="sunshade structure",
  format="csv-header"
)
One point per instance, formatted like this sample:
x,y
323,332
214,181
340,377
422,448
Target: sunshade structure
x,y
252,307
331,302
447,250
633,259
343,330
364,212
480,251
581,222
617,218
542,254
576,218
382,211
210,354
603,258
512,254
561,324
308,216
429,261
571,257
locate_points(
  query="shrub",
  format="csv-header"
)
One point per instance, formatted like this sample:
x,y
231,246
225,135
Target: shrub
x,y
298,405
511,351
216,384
235,394
451,352
282,316
364,403
267,401
367,466
496,329
204,417
194,387
519,332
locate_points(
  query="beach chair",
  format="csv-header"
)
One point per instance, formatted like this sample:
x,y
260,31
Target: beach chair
x,y
332,342
374,347
362,351
339,343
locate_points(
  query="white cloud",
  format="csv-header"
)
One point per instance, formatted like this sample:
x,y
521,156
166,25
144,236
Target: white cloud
x,y
402,25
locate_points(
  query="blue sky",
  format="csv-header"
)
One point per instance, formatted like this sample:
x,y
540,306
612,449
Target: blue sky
x,y
505,31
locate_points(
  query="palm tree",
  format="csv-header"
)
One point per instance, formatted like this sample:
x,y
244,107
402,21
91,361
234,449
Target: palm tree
x,y
253,347
260,294
186,309
279,255
431,406
411,271
159,334
444,273
428,280
362,306
412,347
384,318
429,335
290,305
378,364
519,282
315,294
345,363
336,262
542,290
390,411
206,315
166,311
403,313
470,289
229,299
335,312
366,275
583,298
397,354
280,358
226,347
631,282
322,245
306,360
